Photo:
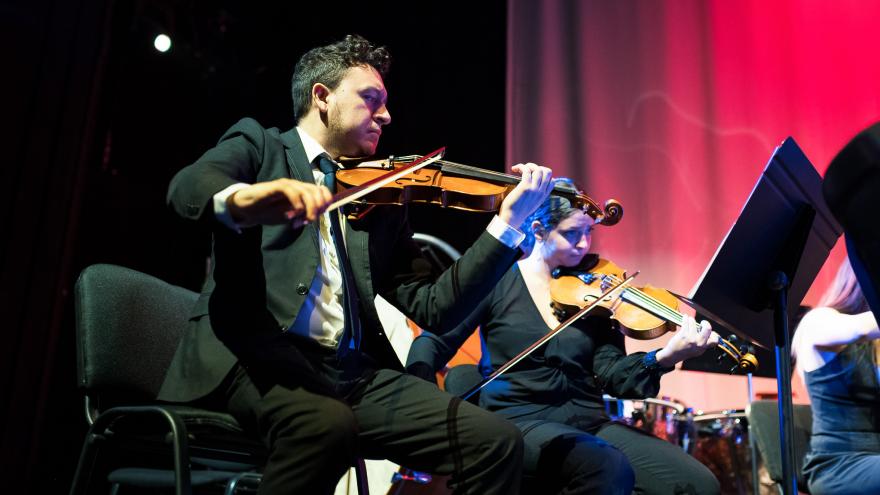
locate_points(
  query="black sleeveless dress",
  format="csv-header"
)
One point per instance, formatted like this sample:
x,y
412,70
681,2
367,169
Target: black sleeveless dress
x,y
844,452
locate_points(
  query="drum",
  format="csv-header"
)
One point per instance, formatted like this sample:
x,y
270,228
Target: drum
x,y
664,418
722,445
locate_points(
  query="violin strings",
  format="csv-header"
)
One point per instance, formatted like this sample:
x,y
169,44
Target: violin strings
x,y
558,186
475,169
674,316
459,166
648,299
656,306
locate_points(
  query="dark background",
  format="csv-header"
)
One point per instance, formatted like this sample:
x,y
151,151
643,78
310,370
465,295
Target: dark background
x,y
96,122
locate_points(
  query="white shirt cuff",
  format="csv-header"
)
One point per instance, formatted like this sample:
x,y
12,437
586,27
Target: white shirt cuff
x,y
221,211
509,236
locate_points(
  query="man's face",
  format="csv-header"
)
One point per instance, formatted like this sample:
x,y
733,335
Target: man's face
x,y
356,112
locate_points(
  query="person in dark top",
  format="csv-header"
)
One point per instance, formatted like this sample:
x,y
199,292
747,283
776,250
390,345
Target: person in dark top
x,y
555,395
836,351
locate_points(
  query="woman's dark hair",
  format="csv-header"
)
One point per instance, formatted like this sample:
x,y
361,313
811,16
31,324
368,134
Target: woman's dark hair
x,y
328,64
552,211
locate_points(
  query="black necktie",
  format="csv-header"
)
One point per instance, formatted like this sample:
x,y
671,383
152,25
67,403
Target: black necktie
x,y
352,326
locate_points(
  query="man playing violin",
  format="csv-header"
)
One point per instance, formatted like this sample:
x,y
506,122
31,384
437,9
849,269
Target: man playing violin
x,y
285,335
555,394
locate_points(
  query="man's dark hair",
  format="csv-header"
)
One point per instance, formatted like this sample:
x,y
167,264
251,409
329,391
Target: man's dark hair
x,y
328,64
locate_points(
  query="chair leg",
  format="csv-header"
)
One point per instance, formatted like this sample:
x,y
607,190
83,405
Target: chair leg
x,y
86,463
232,484
360,469
182,475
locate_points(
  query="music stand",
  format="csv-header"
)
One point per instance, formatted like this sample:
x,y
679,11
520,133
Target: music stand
x,y
763,268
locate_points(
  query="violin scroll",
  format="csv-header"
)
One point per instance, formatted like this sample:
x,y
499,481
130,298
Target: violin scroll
x,y
742,354
612,213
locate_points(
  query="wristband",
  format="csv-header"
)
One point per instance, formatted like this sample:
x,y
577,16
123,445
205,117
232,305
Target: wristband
x,y
649,361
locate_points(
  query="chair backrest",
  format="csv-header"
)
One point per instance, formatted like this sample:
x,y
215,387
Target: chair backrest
x,y
128,325
763,416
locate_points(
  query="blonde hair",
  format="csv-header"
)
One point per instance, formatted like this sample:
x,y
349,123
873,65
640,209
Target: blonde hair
x,y
844,294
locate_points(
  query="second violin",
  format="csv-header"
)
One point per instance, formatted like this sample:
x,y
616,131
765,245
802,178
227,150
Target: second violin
x,y
640,312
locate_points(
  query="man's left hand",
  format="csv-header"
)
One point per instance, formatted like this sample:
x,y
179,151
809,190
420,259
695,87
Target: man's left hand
x,y
527,196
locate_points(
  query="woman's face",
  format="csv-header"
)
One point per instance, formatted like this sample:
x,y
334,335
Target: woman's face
x,y
569,241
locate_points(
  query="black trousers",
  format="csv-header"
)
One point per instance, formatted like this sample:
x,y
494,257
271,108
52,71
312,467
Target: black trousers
x,y
613,458
313,437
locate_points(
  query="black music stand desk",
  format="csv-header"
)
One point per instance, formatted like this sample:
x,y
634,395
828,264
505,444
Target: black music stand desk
x,y
763,268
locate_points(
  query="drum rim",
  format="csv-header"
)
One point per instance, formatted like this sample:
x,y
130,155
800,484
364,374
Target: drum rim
x,y
670,403
729,414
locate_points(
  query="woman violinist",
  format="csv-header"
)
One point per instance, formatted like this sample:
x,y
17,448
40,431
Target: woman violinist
x,y
555,395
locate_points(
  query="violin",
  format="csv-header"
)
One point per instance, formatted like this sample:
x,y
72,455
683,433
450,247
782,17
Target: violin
x,y
453,185
597,285
639,312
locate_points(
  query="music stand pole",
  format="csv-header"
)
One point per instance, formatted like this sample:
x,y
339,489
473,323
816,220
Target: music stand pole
x,y
779,285
753,450
770,256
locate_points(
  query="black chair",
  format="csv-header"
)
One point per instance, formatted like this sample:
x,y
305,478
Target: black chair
x,y
128,325
763,416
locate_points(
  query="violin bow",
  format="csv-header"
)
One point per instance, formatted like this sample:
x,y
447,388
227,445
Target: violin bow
x,y
349,195
543,340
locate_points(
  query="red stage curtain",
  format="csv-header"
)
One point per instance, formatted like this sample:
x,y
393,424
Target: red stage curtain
x,y
674,107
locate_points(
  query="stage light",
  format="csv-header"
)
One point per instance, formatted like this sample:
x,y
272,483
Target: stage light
x,y
162,43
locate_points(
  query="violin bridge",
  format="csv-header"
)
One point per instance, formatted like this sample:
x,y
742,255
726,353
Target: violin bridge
x,y
377,164
357,211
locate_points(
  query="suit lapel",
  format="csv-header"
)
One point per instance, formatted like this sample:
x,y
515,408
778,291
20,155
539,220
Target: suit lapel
x,y
358,248
375,343
297,162
300,169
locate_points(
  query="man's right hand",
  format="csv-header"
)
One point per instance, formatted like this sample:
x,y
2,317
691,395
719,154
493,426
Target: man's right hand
x,y
277,202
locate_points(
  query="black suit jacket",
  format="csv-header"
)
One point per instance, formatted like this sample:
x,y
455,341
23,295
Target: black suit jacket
x,y
260,277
